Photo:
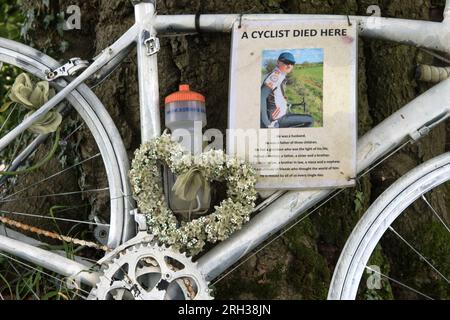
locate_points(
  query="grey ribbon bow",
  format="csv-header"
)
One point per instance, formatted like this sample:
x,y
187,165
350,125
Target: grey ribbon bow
x,y
190,183
32,97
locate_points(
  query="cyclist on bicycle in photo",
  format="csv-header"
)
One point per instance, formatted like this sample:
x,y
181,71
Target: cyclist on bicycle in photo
x,y
274,104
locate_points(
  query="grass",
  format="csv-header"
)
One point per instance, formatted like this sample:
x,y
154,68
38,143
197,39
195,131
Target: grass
x,y
18,281
307,81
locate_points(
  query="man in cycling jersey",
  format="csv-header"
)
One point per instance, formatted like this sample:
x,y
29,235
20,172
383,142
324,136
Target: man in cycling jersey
x,y
273,99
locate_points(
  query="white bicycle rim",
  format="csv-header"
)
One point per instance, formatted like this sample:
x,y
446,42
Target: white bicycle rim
x,y
378,218
102,128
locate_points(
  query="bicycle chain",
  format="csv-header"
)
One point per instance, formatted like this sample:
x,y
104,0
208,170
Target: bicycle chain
x,y
52,235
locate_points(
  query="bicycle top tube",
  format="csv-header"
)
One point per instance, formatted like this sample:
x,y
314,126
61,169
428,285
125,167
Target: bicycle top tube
x,y
426,34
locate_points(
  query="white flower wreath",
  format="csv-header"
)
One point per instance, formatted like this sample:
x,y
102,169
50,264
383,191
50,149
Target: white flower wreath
x,y
191,236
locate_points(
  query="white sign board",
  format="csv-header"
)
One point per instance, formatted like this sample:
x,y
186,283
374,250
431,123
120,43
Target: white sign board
x,y
292,106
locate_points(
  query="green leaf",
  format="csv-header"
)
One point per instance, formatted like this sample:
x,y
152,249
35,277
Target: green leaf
x,y
6,106
64,45
50,295
359,200
7,284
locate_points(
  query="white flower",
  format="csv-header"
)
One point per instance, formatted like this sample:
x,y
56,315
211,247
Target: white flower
x,y
229,216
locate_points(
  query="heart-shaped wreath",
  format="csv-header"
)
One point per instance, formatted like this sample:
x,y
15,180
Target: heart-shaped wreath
x,y
191,236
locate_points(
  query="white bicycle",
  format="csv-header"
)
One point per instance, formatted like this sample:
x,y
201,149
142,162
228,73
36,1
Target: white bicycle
x,y
138,269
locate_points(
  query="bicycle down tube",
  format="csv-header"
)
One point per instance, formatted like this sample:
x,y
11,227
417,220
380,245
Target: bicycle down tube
x,y
421,113
406,122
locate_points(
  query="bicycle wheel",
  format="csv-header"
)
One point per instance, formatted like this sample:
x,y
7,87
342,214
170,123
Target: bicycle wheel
x,y
413,189
47,188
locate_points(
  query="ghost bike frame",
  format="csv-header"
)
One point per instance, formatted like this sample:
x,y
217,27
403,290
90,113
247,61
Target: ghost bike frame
x,y
411,122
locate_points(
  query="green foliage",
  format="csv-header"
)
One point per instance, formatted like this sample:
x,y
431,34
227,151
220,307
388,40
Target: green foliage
x,y
384,291
427,235
431,239
308,272
447,192
42,16
359,201
265,286
10,19
306,81
31,284
10,24
16,280
20,282
268,67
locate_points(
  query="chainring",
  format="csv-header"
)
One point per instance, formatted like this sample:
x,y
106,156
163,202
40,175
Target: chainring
x,y
149,272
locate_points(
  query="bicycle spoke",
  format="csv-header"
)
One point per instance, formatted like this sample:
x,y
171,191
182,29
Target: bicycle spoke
x,y
53,218
55,195
73,132
33,269
16,149
281,234
127,197
333,195
399,283
382,160
26,283
337,192
14,163
278,194
29,267
434,54
52,176
435,213
419,254
51,187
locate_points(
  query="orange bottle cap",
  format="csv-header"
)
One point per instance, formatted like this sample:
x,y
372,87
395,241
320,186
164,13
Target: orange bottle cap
x,y
185,94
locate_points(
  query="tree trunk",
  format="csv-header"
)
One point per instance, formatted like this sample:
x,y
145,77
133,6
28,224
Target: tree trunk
x,y
299,264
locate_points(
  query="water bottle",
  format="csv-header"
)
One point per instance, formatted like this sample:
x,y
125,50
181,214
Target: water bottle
x,y
185,116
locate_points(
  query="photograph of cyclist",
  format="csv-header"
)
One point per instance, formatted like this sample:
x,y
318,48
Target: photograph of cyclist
x,y
273,100
292,82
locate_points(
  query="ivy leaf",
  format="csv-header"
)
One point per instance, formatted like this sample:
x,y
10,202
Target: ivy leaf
x,y
47,20
63,46
359,200
61,23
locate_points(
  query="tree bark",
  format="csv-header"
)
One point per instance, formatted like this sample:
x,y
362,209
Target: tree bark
x,y
299,264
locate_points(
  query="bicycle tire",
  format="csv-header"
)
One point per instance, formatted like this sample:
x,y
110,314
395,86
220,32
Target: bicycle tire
x,y
377,220
296,121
